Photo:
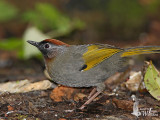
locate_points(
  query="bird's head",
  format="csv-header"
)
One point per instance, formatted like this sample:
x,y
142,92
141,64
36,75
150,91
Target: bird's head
x,y
49,47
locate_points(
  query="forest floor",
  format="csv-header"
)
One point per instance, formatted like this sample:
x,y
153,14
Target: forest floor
x,y
39,104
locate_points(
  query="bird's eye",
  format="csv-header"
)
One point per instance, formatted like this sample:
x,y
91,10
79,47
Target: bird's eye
x,y
47,45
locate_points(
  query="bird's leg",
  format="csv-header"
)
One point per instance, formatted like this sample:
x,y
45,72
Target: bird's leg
x,y
90,100
91,93
100,88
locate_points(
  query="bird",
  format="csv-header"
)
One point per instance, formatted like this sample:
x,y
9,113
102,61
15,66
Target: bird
x,y
87,65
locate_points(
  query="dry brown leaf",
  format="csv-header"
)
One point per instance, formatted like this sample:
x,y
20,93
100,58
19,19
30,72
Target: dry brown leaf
x,y
25,86
123,104
79,96
62,92
134,81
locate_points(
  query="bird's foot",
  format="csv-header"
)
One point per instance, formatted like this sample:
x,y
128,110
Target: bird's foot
x,y
90,100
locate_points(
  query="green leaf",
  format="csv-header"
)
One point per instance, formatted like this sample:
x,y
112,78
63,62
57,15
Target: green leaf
x,y
8,11
11,44
152,81
48,18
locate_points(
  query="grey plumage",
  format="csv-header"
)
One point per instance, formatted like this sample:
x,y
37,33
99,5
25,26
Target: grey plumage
x,y
65,69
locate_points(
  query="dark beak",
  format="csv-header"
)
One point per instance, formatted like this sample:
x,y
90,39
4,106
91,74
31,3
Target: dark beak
x,y
33,43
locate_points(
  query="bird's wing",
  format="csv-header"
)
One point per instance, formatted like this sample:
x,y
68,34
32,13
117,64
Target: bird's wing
x,y
97,53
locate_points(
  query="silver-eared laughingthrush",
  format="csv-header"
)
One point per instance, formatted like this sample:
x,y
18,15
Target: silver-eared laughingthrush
x,y
85,65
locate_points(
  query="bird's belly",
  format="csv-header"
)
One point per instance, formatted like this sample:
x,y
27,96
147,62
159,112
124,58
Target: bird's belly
x,y
76,78
68,73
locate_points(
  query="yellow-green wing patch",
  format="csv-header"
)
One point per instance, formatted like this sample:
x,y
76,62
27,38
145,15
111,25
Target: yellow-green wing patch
x,y
141,50
96,54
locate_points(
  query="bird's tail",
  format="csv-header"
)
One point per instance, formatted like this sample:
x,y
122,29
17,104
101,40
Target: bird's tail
x,y
140,50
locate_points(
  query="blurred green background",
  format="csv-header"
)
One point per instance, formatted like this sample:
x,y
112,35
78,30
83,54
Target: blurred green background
x,y
118,22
